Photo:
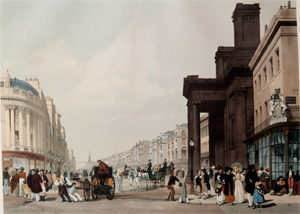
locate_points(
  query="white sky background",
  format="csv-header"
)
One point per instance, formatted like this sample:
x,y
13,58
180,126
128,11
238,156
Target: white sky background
x,y
115,69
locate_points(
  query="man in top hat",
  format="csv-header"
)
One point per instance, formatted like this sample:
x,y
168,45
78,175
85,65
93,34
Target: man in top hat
x,y
44,184
5,181
290,177
149,167
22,178
103,171
36,188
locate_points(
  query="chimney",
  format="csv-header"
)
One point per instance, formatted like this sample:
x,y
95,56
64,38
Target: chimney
x,y
289,4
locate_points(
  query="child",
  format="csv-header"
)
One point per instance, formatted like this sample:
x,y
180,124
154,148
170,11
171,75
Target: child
x,y
258,196
220,194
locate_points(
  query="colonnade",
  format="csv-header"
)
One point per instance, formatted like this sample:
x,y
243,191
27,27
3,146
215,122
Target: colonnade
x,y
29,133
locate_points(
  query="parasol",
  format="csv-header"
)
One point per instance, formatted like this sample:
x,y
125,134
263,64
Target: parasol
x,y
235,165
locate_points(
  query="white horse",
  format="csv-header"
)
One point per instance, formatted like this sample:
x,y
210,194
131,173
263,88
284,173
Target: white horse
x,y
132,174
140,178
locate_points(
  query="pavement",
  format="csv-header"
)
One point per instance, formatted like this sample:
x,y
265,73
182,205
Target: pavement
x,y
284,203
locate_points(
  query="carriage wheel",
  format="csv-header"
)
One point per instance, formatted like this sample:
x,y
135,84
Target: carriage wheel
x,y
94,194
162,181
86,189
111,193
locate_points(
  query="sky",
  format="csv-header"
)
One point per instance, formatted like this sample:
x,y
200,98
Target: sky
x,y
115,69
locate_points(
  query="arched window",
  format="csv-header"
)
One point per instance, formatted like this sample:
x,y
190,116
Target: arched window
x,y
183,153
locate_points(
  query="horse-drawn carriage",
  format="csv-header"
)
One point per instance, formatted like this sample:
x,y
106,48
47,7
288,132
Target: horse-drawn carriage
x,y
157,178
97,188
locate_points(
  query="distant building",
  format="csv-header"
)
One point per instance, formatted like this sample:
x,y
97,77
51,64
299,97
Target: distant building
x,y
274,142
204,133
31,132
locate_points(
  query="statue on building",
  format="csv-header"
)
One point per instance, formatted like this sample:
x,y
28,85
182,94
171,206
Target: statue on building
x,y
277,108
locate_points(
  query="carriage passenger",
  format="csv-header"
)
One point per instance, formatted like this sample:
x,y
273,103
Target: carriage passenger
x,y
149,167
103,171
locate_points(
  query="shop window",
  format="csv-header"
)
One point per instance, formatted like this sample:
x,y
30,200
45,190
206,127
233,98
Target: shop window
x,y
278,154
294,149
251,154
264,152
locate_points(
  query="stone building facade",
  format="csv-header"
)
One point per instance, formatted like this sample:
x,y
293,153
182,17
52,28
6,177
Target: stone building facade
x,y
228,98
31,132
274,143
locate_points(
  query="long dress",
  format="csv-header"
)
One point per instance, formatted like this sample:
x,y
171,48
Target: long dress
x,y
239,191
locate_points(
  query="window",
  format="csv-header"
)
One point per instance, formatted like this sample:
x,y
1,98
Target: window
x,y
183,153
271,68
256,117
260,114
251,154
259,83
294,149
264,152
2,84
278,154
255,88
266,76
266,109
278,60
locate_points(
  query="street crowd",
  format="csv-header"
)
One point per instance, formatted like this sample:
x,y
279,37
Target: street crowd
x,y
37,183
236,184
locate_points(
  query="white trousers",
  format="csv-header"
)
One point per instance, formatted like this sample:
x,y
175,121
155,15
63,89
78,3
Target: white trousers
x,y
250,199
36,196
74,198
21,192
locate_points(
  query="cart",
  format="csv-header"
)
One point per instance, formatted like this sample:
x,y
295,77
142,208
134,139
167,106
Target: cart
x,y
94,187
157,178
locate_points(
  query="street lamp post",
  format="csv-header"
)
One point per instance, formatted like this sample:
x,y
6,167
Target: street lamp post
x,y
58,161
192,143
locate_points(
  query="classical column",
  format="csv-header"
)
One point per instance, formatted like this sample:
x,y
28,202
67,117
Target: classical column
x,y
21,133
34,132
28,135
240,127
196,138
38,131
12,128
7,126
189,177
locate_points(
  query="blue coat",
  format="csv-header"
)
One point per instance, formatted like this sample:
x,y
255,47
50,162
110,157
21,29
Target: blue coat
x,y
257,197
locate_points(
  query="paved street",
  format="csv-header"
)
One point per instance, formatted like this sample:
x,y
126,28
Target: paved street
x,y
151,201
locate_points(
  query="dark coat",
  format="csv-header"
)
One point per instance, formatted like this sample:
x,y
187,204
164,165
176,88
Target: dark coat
x,y
288,174
29,181
6,175
36,183
219,176
206,180
250,186
149,166
228,182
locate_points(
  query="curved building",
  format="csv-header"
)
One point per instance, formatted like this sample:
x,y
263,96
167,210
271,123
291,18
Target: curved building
x,y
31,133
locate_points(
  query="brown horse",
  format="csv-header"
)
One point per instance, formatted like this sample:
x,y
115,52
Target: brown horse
x,y
170,169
